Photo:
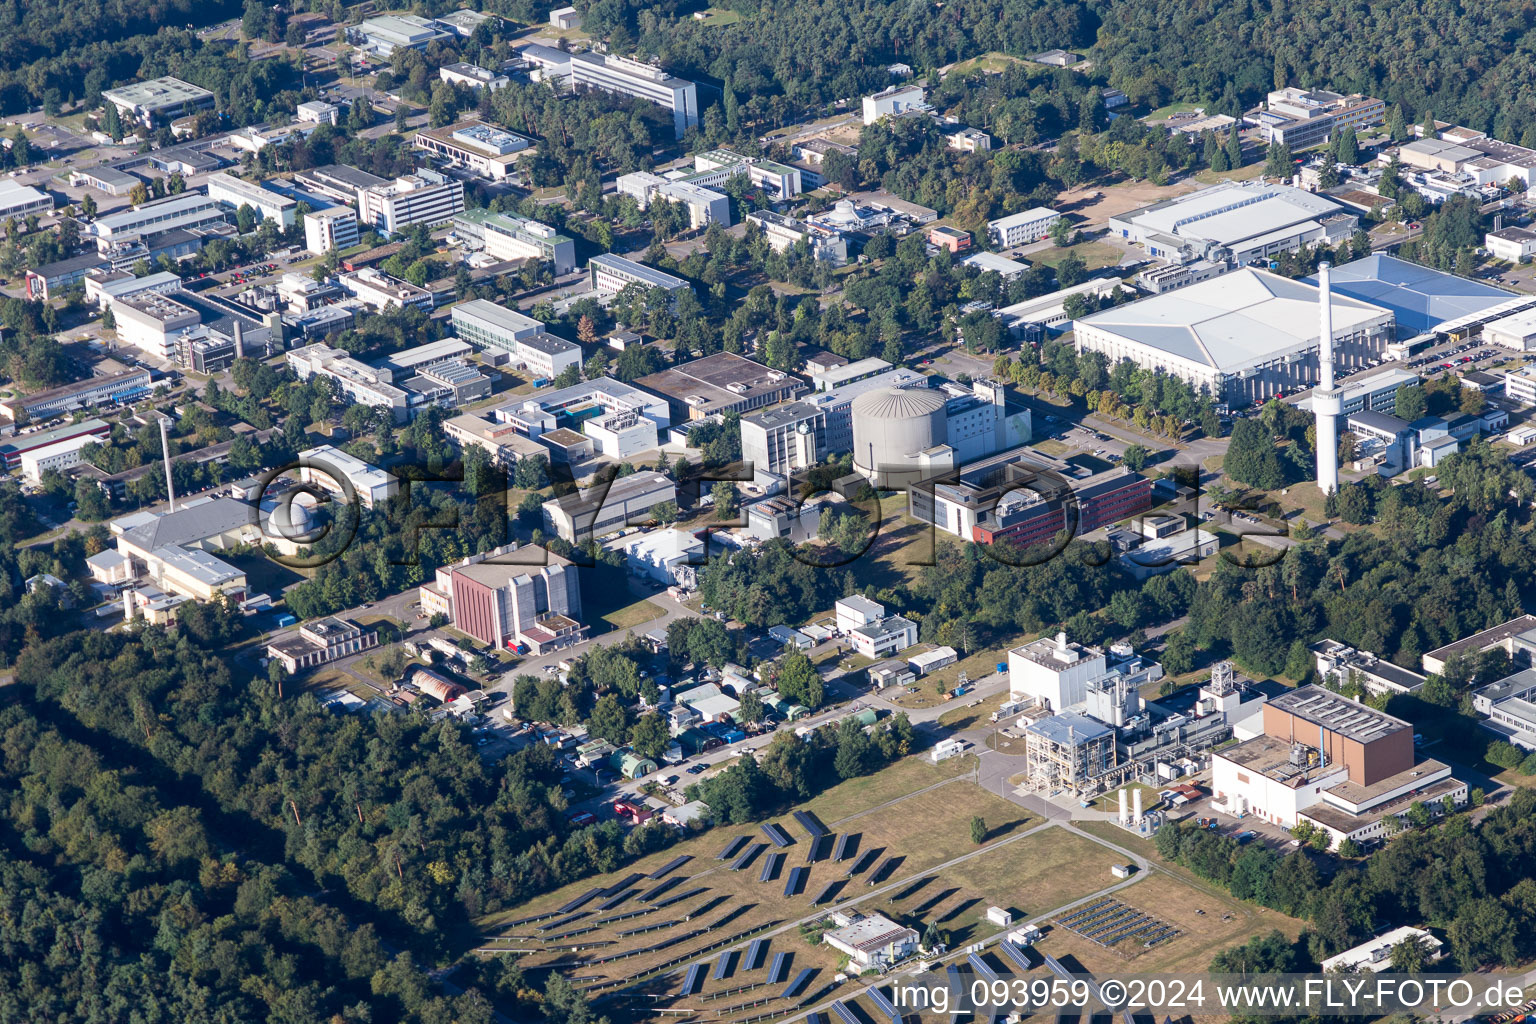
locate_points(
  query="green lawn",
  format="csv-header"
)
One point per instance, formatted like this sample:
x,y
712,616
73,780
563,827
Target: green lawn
x,y
1095,255
715,16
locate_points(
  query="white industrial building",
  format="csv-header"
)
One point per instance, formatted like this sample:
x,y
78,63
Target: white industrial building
x,y
1240,222
333,470
619,435
1375,955
1470,158
873,633
666,556
897,100
1511,244
1022,228
473,76
187,210
268,205
506,236
604,509
150,321
871,940
785,232
318,112
1516,332
385,33
358,382
380,291
714,167
1242,336
18,200
57,456
488,326
158,100
425,197
334,227
1340,664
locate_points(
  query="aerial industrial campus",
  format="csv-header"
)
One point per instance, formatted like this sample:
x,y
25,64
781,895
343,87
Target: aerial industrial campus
x,y
722,515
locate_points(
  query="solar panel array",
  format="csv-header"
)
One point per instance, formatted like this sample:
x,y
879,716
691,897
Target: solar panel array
x,y
613,901
589,895
799,983
981,967
771,867
755,954
1022,958
817,850
828,892
1108,922
670,866
883,1004
777,835
811,824
693,980
779,968
796,881
680,897
731,848
652,894
840,851
844,1014
725,965
748,856
865,859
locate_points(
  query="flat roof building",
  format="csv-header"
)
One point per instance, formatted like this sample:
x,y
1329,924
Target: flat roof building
x,y
1517,638
190,209
607,508
128,386
507,236
609,273
358,382
18,200
1242,222
346,476
486,149
1341,664
510,596
522,338
268,205
720,383
473,76
332,228
1022,228
611,73
159,100
1244,335
385,33
425,197
1338,764
14,447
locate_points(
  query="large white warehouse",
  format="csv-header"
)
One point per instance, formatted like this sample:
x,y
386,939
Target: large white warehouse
x,y
1243,336
1239,221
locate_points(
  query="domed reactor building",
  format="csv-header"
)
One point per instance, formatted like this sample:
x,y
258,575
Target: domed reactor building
x,y
292,521
904,435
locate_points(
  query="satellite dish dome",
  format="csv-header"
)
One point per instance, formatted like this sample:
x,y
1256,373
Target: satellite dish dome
x,y
294,520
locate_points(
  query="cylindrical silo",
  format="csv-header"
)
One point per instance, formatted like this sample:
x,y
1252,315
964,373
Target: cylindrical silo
x,y
890,427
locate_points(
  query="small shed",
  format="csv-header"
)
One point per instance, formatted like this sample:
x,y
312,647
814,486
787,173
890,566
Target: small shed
x,y
1123,870
1000,917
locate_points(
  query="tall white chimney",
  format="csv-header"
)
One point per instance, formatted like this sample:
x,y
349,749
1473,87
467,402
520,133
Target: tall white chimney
x,y
239,339
1327,404
1124,814
165,453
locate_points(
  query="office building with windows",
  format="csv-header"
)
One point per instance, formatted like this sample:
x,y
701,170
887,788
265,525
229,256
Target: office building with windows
x,y
268,205
332,228
425,197
506,236
609,273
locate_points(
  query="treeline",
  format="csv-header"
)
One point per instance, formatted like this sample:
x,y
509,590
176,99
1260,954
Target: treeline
x,y
792,769
1432,571
396,815
1471,880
